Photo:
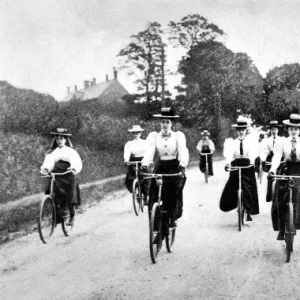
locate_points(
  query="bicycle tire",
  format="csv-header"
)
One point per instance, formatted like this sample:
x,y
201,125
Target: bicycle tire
x,y
260,173
289,231
67,229
136,197
206,175
240,211
155,230
47,219
170,237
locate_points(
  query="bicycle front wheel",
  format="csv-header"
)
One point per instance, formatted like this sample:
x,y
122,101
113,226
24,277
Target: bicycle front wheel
x,y
65,221
170,236
155,237
46,221
289,231
240,211
136,196
260,173
206,174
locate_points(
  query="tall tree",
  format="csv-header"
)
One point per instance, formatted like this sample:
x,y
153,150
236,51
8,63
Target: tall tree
x,y
191,30
144,58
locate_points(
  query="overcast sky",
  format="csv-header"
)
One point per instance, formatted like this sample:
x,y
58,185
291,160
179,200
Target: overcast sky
x,y
47,45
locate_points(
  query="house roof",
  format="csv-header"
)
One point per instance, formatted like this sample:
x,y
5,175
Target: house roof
x,y
92,92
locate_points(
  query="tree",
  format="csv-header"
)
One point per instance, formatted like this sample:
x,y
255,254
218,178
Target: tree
x,y
191,30
145,58
217,82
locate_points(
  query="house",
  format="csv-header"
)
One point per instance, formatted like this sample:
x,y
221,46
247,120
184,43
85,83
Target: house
x,y
105,92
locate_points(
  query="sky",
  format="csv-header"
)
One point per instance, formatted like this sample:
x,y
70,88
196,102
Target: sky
x,y
47,45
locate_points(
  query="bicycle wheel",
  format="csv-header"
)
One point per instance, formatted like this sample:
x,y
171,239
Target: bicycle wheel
x,y
206,174
260,173
46,221
155,237
289,231
170,236
67,229
240,210
136,196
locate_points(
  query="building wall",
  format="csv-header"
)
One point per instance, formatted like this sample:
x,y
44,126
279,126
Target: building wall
x,y
114,92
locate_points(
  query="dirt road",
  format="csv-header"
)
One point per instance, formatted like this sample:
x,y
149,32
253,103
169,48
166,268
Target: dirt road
x,y
107,257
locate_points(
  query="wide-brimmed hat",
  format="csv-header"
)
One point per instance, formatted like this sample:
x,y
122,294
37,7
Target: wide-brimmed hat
x,y
205,133
61,131
166,113
241,122
294,121
136,128
274,124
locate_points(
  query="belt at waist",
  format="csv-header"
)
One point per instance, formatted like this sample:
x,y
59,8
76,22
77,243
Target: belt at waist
x,y
167,157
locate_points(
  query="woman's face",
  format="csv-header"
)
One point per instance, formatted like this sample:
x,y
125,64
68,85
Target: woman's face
x,y
165,124
294,131
61,141
136,135
241,132
274,131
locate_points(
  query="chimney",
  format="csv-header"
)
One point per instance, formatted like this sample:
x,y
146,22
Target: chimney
x,y
115,73
68,88
75,88
86,84
106,77
94,81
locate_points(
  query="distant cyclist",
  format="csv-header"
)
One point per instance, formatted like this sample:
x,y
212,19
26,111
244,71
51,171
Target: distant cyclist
x,y
62,157
206,145
173,157
134,150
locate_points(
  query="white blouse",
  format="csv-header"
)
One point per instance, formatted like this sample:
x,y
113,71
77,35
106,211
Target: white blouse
x,y
64,153
231,149
137,148
284,149
170,147
267,146
210,144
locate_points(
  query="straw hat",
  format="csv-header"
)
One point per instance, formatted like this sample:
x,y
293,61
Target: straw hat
x,y
241,122
294,121
166,113
205,133
274,124
61,131
136,128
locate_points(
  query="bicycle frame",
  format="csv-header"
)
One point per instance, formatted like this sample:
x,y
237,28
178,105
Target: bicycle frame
x,y
206,164
136,163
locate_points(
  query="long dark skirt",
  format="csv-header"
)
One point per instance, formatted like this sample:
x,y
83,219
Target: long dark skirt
x,y
257,163
66,187
130,176
171,195
202,163
281,196
229,196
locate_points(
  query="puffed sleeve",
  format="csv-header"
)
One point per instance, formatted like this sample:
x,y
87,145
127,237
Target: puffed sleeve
x,y
199,146
127,152
49,162
253,150
263,151
150,149
211,146
75,161
278,152
183,152
228,150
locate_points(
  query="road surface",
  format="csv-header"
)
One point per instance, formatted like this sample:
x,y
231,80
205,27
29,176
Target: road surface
x,y
107,257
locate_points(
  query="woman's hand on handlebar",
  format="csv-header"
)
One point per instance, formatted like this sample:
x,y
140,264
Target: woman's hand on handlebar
x,y
227,167
270,175
72,170
44,171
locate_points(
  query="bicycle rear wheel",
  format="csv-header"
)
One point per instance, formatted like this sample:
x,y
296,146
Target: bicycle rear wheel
x,y
136,196
170,236
47,219
155,237
289,231
65,220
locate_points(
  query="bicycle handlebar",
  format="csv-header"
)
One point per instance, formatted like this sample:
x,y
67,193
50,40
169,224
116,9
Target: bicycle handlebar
x,y
285,177
206,153
270,164
235,168
155,175
133,162
50,174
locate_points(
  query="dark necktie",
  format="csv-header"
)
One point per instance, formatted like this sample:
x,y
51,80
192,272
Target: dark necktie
x,y
166,135
241,148
293,151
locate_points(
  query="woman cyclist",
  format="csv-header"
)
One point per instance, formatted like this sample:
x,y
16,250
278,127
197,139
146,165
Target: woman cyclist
x,y
289,148
240,152
60,158
134,151
206,145
173,157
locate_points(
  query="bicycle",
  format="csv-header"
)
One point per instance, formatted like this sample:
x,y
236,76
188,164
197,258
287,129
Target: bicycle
x,y
206,165
240,206
50,213
160,221
290,228
137,197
